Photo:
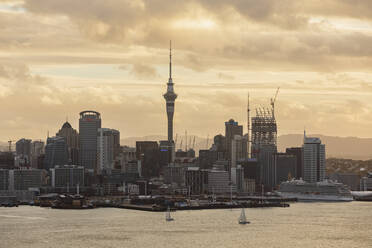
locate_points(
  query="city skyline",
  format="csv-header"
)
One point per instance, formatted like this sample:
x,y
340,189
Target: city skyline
x,y
104,60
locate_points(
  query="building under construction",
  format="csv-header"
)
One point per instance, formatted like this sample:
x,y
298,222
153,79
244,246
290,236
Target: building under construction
x,y
264,129
264,137
264,142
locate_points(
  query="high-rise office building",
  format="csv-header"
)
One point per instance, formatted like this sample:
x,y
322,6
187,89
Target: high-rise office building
x,y
37,148
284,167
298,152
232,128
23,151
89,123
56,152
219,145
239,150
106,139
6,160
314,160
72,139
170,97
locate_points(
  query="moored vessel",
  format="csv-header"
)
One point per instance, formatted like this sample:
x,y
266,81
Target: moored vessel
x,y
326,190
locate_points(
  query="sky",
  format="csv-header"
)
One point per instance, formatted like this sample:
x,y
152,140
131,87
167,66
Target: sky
x,y
60,57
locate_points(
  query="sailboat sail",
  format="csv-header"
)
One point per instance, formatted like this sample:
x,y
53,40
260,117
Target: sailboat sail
x,y
168,216
242,218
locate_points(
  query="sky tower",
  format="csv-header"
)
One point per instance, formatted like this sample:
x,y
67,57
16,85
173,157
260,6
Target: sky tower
x,y
170,98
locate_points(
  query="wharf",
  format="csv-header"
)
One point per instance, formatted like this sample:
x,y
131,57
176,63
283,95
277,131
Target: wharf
x,y
154,208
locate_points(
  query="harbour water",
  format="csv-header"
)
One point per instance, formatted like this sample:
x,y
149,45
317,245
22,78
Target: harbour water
x,y
341,225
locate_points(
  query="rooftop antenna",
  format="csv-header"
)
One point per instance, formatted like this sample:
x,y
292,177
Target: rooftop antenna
x,y
170,59
248,128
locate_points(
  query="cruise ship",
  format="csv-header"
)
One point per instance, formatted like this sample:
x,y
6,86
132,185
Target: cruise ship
x,y
326,190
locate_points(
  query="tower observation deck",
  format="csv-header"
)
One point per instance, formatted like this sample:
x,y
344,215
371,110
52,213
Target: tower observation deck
x,y
170,97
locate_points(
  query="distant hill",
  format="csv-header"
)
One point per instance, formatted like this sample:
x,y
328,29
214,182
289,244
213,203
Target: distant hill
x,y
340,147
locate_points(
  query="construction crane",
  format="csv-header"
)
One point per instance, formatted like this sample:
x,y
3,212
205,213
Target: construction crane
x,y
181,144
272,101
10,145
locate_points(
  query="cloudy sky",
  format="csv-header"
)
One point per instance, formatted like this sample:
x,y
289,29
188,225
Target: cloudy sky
x,y
59,57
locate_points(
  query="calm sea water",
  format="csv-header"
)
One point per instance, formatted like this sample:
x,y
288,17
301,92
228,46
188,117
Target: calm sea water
x,y
341,225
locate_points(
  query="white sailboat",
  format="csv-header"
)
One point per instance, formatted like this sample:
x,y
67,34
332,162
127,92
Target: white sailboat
x,y
168,216
242,218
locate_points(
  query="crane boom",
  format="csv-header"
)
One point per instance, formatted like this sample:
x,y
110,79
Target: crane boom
x,y
272,101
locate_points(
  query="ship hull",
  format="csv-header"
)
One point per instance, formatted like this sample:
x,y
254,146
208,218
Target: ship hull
x,y
316,198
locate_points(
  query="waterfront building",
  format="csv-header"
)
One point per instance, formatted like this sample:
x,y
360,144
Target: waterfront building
x,y
314,159
349,179
219,181
196,180
72,139
66,178
89,123
26,179
366,182
56,152
4,179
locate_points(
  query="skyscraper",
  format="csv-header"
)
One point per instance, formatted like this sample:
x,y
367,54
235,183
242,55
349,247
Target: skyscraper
x,y
23,150
314,159
72,139
170,98
106,149
232,128
56,152
37,149
89,123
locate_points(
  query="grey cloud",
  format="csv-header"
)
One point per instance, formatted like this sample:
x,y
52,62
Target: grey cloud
x,y
143,71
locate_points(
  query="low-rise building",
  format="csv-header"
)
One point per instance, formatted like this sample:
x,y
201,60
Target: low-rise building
x,y
67,177
366,183
26,179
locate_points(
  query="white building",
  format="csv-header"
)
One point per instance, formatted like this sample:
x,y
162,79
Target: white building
x,y
219,182
366,182
105,149
314,159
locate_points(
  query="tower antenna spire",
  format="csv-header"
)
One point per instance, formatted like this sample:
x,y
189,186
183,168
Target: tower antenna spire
x,y
170,59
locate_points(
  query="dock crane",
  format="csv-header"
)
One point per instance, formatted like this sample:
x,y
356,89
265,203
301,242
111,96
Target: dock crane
x,y
272,101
